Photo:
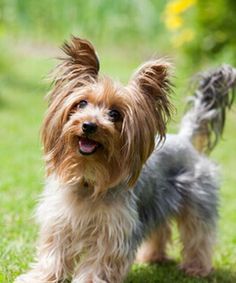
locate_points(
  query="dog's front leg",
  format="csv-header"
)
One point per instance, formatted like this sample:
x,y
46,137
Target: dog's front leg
x,y
53,263
54,253
109,244
109,269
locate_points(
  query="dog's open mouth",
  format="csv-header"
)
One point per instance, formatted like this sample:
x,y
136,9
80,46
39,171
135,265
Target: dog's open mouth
x,y
88,146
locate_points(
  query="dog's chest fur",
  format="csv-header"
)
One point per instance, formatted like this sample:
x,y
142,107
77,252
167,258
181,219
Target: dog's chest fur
x,y
95,227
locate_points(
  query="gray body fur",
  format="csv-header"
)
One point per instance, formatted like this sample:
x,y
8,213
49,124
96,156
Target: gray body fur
x,y
174,177
177,176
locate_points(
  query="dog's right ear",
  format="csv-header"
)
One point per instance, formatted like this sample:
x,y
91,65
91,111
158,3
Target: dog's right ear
x,y
79,67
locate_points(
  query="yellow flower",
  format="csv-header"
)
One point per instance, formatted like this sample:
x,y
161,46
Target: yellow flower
x,y
179,6
173,22
185,36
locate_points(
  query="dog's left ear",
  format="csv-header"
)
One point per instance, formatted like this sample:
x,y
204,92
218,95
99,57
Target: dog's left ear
x,y
79,67
153,82
82,57
148,92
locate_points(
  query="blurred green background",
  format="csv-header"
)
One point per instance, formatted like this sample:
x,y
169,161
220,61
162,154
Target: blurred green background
x,y
194,34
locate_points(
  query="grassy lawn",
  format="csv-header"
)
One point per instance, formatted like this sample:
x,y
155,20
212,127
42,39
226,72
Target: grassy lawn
x,y
21,176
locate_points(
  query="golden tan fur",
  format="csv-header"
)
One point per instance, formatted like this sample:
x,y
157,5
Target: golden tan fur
x,y
75,222
71,242
198,240
91,224
196,237
153,250
200,139
144,101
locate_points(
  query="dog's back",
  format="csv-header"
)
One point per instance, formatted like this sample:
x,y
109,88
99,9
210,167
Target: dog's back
x,y
182,158
179,181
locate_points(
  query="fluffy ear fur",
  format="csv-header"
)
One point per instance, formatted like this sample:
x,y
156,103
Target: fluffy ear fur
x,y
79,67
152,79
149,90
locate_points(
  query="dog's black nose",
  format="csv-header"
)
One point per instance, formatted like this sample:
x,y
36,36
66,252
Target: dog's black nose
x,y
89,127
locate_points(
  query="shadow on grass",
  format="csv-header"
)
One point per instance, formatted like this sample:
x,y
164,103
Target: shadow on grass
x,y
169,273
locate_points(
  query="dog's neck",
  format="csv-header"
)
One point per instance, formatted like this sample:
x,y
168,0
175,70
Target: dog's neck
x,y
84,188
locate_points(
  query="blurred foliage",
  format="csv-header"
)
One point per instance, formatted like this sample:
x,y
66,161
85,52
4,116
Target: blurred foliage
x,y
215,24
203,30
200,30
101,19
176,15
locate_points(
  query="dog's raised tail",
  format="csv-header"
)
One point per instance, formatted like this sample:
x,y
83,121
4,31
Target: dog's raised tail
x,y
204,120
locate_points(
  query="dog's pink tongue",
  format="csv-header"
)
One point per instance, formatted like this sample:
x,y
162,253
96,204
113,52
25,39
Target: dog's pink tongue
x,y
87,145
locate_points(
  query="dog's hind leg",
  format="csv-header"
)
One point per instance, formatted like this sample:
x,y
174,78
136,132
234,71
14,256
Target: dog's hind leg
x,y
153,249
198,239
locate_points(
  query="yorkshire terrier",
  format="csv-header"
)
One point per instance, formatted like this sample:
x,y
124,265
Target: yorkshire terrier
x,y
110,193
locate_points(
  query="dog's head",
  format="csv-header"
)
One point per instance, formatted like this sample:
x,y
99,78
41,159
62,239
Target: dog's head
x,y
97,129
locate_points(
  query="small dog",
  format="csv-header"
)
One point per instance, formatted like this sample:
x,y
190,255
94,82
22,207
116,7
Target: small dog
x,y
108,190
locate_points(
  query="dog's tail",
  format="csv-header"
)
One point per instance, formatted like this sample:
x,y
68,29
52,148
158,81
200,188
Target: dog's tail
x,y
204,120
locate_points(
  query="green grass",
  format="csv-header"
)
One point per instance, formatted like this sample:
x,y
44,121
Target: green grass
x,y
21,176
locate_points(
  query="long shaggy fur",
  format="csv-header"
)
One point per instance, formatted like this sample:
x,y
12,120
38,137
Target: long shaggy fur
x,y
98,210
205,119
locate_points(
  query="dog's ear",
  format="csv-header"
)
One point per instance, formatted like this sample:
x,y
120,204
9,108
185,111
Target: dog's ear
x,y
153,82
82,59
150,110
79,67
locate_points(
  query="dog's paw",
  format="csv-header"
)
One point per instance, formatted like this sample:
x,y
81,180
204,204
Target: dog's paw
x,y
152,258
195,270
29,278
23,279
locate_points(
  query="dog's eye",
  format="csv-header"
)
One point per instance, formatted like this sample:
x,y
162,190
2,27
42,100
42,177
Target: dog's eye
x,y
82,104
114,115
